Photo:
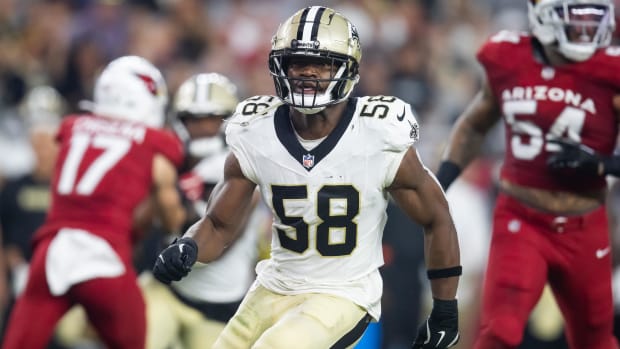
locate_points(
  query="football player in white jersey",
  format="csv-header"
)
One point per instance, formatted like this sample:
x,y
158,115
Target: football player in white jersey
x,y
193,311
325,163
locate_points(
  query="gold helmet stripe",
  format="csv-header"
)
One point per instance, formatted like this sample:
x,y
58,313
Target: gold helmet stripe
x,y
309,23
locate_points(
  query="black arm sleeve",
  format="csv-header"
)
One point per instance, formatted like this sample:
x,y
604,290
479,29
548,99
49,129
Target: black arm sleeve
x,y
447,173
612,165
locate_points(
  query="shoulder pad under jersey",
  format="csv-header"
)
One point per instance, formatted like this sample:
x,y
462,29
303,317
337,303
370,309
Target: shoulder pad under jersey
x,y
391,119
250,111
604,66
499,49
254,108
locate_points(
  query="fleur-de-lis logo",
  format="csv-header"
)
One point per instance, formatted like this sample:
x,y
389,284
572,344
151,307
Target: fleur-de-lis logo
x,y
415,130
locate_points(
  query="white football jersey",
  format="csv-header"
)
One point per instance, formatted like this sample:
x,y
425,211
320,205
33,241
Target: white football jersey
x,y
329,202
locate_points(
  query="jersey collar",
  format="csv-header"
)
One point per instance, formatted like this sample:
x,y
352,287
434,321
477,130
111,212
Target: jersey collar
x,y
309,158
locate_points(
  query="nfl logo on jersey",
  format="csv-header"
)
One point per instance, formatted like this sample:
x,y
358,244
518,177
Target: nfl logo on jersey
x,y
308,161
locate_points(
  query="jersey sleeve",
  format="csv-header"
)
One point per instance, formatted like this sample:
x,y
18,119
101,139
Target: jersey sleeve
x,y
496,55
398,127
241,152
64,130
395,125
604,67
240,123
402,134
169,145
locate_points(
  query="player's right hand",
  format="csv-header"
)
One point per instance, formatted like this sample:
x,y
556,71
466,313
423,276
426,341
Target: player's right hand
x,y
441,329
176,260
577,157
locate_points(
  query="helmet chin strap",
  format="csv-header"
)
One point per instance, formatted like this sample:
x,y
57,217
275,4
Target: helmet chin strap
x,y
310,111
322,99
576,53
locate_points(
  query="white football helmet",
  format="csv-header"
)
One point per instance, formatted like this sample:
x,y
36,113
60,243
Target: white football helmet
x,y
320,32
131,88
577,27
209,95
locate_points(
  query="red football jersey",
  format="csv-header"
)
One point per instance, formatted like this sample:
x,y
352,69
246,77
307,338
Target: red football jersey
x,y
541,102
102,173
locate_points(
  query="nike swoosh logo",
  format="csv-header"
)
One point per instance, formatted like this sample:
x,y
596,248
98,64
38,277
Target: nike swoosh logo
x,y
401,117
602,252
441,334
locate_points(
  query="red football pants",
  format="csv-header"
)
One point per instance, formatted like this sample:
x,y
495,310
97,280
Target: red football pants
x,y
530,248
114,306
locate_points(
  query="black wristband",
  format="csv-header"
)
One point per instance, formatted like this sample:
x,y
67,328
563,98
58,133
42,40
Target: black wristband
x,y
447,173
444,273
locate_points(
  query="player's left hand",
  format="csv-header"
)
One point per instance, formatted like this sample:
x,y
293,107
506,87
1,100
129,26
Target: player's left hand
x,y
176,260
441,329
577,157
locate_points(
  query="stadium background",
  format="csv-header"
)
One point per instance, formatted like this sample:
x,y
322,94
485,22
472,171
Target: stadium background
x,y
422,51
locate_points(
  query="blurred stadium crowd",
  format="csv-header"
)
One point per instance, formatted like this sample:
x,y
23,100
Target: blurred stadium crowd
x,y
422,51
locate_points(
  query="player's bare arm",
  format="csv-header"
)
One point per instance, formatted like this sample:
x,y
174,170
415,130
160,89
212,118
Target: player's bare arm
x,y
472,127
166,198
227,211
616,103
417,193
244,223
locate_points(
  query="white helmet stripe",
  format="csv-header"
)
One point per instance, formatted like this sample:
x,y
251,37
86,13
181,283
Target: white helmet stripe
x,y
202,91
302,21
309,24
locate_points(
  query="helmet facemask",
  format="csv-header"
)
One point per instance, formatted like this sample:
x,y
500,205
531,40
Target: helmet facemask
x,y
315,35
201,143
317,93
577,27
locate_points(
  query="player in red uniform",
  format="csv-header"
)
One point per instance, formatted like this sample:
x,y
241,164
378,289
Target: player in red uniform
x,y
559,93
109,163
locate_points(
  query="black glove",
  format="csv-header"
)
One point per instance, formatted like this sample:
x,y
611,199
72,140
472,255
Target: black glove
x,y
576,157
441,329
176,260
